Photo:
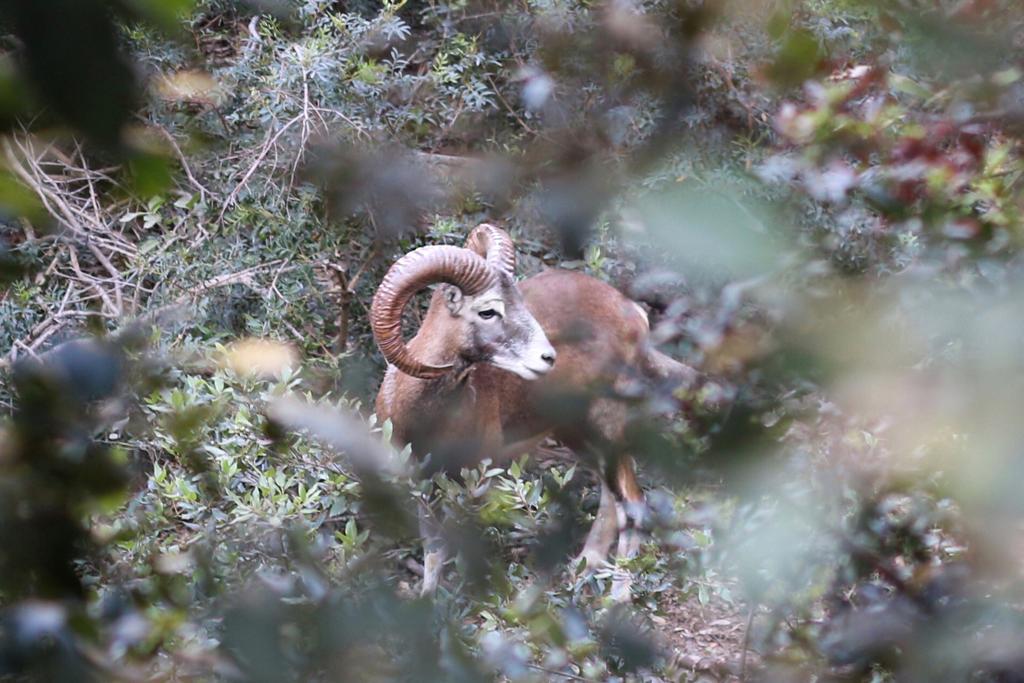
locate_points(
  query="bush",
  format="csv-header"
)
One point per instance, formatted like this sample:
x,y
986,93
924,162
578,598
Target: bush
x,y
818,202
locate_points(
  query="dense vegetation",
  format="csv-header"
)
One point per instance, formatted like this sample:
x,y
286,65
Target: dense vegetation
x,y
818,201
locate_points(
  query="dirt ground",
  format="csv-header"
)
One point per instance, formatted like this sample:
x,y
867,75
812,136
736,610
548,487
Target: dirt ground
x,y
708,640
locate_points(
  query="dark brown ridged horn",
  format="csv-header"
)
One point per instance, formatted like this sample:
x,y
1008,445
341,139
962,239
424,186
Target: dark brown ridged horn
x,y
411,273
495,245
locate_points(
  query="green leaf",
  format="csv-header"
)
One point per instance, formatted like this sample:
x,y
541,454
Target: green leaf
x,y
799,58
150,174
166,14
74,62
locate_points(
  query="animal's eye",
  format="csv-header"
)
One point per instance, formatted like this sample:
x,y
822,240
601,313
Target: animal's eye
x,y
488,314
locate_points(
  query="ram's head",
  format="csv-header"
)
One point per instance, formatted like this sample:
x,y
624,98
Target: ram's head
x,y
484,320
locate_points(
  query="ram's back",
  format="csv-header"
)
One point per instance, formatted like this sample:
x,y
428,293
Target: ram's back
x,y
601,337
594,327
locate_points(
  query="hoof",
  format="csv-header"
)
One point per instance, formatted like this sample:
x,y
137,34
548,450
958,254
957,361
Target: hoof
x,y
622,586
592,560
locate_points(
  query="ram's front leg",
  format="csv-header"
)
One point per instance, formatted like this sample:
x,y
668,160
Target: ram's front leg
x,y
435,551
602,531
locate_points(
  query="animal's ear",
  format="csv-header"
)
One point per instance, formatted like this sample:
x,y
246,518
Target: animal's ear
x,y
453,298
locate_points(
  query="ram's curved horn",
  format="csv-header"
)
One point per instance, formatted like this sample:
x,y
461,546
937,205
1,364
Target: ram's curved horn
x,y
495,245
411,273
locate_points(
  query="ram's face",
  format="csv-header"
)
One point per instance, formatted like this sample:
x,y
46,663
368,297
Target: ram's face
x,y
498,329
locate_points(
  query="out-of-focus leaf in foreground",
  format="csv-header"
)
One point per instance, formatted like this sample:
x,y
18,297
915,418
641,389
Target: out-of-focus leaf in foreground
x,y
72,57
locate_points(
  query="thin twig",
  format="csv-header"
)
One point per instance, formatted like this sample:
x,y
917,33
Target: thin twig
x,y
746,642
105,262
553,672
264,151
304,137
107,303
511,110
26,164
184,161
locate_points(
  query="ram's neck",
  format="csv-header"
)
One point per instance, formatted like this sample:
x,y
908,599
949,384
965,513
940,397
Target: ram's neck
x,y
409,400
437,342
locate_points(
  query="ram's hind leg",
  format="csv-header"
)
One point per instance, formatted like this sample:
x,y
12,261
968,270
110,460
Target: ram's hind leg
x,y
620,515
631,506
631,511
622,509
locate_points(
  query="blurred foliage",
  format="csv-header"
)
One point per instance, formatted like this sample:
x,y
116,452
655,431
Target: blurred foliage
x,y
819,202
